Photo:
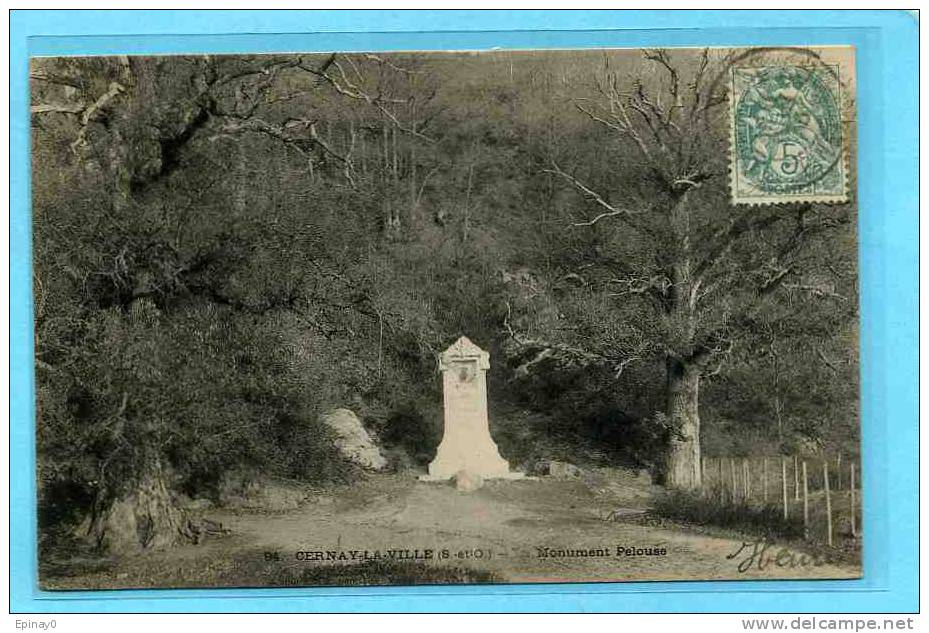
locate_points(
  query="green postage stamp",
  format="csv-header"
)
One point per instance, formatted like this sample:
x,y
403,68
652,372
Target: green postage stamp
x,y
787,135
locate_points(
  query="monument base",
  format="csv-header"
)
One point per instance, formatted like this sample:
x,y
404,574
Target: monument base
x,y
512,475
477,455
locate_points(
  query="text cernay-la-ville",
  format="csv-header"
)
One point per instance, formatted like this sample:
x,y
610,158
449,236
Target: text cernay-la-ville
x,y
425,554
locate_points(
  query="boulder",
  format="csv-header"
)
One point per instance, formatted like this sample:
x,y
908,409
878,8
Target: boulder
x,y
352,440
554,468
563,470
466,481
536,467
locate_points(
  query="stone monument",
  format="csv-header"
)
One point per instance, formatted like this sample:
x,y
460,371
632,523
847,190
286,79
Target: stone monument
x,y
466,444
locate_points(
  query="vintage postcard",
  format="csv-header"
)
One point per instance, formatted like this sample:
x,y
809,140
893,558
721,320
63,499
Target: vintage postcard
x,y
446,317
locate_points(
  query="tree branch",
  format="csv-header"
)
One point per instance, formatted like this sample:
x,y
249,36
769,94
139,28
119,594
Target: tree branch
x,y
63,108
346,87
590,194
726,236
660,56
826,361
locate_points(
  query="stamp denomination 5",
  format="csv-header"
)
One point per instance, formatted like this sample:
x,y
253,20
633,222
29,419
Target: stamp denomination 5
x,y
786,134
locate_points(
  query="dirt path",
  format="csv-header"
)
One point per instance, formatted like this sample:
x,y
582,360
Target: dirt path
x,y
502,527
544,530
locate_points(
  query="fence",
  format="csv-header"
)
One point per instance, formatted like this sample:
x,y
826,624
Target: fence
x,y
795,485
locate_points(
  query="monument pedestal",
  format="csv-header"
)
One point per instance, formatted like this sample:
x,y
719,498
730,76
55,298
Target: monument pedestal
x,y
466,443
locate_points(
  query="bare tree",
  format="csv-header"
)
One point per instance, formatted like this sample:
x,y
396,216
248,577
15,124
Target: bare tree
x,y
700,268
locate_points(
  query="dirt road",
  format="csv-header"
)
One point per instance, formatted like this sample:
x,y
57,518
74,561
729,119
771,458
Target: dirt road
x,y
523,531
534,530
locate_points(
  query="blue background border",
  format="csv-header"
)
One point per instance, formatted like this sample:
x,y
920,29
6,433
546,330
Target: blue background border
x,y
887,58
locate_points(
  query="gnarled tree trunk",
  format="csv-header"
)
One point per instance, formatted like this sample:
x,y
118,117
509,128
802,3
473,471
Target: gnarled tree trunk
x,y
683,390
147,517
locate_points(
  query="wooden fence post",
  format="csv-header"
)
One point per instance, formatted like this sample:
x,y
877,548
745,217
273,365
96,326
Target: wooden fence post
x,y
722,479
746,479
796,480
764,479
851,490
784,486
733,477
806,504
828,502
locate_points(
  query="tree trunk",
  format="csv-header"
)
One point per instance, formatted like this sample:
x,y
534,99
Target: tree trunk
x,y
683,387
147,517
683,376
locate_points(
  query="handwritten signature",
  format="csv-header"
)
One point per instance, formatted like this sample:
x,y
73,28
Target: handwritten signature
x,y
762,554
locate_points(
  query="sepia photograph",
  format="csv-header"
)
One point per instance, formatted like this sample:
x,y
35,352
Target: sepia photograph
x,y
427,318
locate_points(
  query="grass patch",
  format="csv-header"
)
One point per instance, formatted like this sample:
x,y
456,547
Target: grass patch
x,y
697,508
713,511
381,573
250,569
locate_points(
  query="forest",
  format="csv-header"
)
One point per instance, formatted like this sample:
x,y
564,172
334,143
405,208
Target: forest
x,y
225,247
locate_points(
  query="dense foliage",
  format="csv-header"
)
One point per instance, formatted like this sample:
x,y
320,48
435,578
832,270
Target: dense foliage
x,y
226,247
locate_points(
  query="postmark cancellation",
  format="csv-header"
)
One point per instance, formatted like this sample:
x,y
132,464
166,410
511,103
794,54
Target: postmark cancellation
x,y
787,136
